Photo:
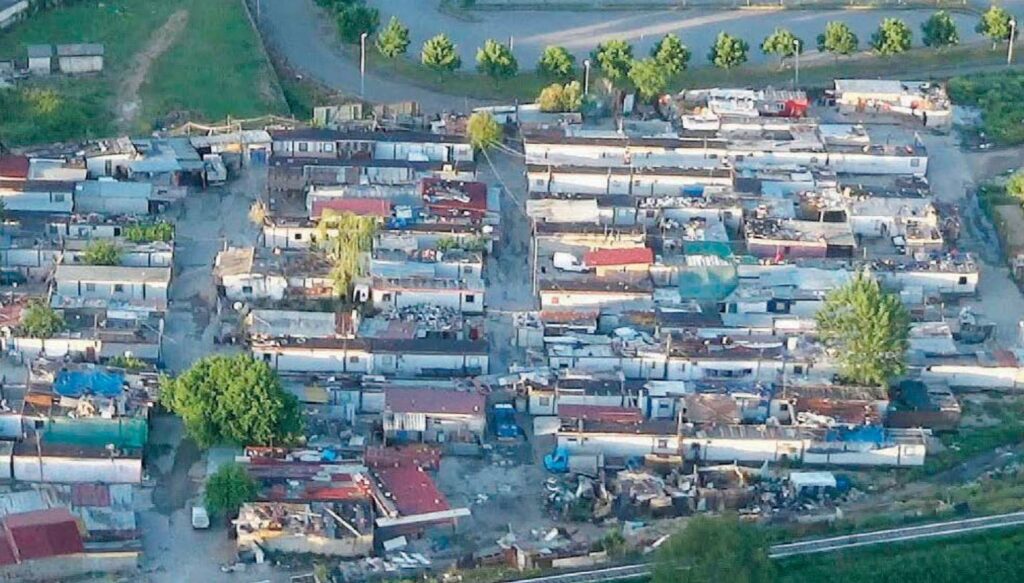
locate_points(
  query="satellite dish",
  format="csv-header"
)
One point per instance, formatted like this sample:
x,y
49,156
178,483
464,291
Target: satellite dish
x,y
237,306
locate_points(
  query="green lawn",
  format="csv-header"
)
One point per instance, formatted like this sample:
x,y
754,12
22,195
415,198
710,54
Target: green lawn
x,y
213,69
216,69
992,557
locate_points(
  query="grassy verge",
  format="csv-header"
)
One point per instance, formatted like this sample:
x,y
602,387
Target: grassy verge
x,y
213,69
919,63
1000,96
216,69
1006,429
993,556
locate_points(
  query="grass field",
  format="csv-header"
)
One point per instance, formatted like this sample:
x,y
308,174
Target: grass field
x,y
211,68
993,558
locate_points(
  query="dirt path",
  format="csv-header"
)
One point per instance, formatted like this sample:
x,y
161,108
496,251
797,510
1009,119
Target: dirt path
x,y
161,40
175,488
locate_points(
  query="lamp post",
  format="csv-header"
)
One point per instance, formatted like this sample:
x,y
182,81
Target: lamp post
x,y
796,70
1009,47
362,64
586,76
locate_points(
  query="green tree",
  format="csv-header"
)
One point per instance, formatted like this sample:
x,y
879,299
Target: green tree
x,y
101,252
783,44
868,329
228,488
550,99
838,39
892,37
356,19
346,238
557,63
572,96
995,24
39,320
649,78
127,362
1015,185
614,59
496,60
940,31
671,54
728,51
720,549
232,399
440,55
393,41
483,130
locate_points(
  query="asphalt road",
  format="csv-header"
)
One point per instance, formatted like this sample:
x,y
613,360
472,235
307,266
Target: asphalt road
x,y
581,31
304,35
300,32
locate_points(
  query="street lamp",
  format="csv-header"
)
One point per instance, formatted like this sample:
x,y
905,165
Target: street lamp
x,y
586,76
1009,47
362,64
796,71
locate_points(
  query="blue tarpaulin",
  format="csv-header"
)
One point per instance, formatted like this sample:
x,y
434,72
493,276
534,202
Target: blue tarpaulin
x,y
75,383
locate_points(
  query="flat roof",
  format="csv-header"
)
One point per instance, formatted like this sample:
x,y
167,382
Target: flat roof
x,y
80,50
112,273
436,401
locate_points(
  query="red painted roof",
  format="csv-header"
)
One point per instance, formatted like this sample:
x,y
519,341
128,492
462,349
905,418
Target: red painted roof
x,y
413,490
606,257
600,413
435,401
43,533
364,207
14,167
90,495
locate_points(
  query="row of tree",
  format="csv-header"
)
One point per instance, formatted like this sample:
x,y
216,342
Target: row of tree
x,y
669,56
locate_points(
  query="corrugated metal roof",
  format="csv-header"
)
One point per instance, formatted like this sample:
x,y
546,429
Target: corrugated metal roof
x,y
435,401
44,533
365,207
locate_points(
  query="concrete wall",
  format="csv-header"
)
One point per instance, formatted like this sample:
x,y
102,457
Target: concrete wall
x,y
319,545
933,281
11,13
465,301
130,291
555,298
66,567
77,470
31,348
112,205
1007,378
299,359
254,286
41,202
28,257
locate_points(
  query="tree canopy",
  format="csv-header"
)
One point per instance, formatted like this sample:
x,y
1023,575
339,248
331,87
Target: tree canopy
x,y
440,55
868,329
782,43
1015,185
714,549
233,399
393,41
671,54
561,98
102,252
496,60
892,37
557,63
995,24
483,130
649,78
356,19
614,59
228,488
345,238
39,320
838,39
728,51
940,30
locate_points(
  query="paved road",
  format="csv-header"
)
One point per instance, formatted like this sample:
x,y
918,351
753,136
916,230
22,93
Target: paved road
x,y
580,31
300,32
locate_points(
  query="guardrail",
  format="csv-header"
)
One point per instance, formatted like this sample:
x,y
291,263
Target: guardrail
x,y
822,545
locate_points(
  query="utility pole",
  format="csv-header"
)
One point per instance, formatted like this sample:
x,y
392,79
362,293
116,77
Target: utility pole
x,y
1009,45
796,73
362,64
586,77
